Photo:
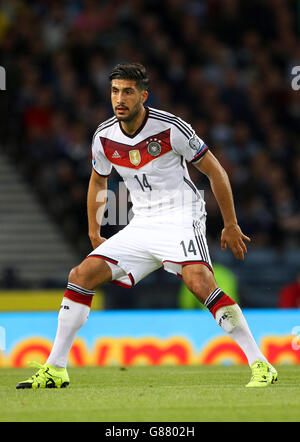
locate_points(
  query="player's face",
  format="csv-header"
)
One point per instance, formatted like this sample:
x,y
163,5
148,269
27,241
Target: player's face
x,y
127,99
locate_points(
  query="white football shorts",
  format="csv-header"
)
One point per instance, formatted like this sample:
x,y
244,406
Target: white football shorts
x,y
145,245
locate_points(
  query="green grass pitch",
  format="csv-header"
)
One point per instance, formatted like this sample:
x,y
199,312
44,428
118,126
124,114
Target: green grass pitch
x,y
153,394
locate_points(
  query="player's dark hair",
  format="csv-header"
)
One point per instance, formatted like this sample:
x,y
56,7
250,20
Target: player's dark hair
x,y
131,71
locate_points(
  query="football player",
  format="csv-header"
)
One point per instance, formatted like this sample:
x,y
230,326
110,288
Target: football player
x,y
150,149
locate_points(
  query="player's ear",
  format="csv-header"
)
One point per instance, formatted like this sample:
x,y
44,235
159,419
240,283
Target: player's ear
x,y
145,95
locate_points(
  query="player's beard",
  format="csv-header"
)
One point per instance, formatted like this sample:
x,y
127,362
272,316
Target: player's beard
x,y
132,115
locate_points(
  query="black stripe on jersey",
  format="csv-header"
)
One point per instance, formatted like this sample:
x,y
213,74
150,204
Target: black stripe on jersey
x,y
103,126
174,124
203,245
106,122
131,279
172,118
139,129
192,186
200,243
182,130
106,258
199,248
200,154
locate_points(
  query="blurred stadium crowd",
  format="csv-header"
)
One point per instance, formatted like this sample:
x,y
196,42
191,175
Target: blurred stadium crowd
x,y
223,66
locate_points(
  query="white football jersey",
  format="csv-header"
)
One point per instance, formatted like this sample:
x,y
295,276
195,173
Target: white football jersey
x,y
152,163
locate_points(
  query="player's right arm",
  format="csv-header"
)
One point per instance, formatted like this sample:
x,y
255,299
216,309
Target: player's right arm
x,y
97,191
220,185
96,200
186,143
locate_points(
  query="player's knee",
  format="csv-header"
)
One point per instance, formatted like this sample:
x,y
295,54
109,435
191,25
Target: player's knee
x,y
90,274
75,275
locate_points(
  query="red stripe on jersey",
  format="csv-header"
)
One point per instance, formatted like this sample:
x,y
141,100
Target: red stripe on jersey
x,y
123,284
199,155
138,155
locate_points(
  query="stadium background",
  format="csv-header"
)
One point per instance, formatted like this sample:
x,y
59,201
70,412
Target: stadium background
x,y
223,66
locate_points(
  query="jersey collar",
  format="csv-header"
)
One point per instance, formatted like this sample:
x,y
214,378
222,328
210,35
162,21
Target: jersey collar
x,y
139,129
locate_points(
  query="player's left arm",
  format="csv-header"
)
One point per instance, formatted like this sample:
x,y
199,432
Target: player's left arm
x,y
220,185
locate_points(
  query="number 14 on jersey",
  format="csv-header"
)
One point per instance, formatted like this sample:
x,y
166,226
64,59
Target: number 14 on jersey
x,y
144,183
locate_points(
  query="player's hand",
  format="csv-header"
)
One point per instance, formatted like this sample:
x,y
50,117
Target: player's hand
x,y
235,239
96,241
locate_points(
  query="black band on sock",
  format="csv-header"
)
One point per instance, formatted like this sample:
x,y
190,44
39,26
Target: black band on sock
x,y
213,298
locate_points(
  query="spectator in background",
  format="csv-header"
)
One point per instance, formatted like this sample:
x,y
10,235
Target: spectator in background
x,y
290,295
234,87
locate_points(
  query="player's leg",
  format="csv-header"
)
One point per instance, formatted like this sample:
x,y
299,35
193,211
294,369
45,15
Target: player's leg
x,y
73,314
201,282
123,259
75,307
124,255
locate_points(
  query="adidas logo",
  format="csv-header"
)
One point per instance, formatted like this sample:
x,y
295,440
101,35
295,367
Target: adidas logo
x,y
116,154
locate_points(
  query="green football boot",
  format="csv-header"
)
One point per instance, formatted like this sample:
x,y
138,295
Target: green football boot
x,y
47,377
263,374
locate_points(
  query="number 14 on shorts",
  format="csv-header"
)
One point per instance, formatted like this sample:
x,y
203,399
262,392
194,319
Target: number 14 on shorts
x,y
188,248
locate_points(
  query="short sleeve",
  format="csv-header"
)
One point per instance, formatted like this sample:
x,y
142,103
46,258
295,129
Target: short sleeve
x,y
100,163
186,142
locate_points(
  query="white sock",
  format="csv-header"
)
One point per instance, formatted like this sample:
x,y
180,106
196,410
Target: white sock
x,y
72,316
232,321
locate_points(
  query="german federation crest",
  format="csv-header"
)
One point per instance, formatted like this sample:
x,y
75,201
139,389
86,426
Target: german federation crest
x,y
154,148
